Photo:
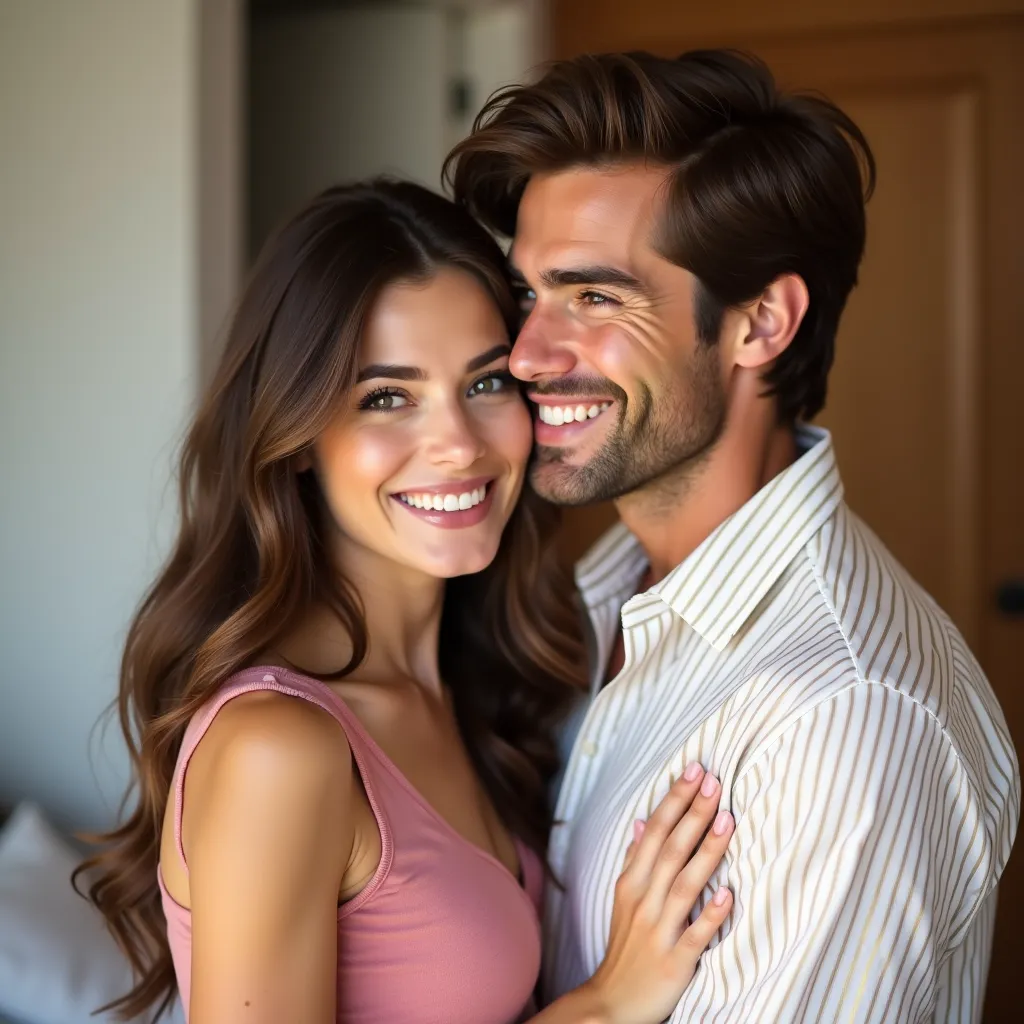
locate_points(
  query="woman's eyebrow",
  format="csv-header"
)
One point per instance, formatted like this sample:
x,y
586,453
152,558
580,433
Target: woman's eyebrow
x,y
392,371
488,357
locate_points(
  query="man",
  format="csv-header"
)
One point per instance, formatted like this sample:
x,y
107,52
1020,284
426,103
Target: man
x,y
687,237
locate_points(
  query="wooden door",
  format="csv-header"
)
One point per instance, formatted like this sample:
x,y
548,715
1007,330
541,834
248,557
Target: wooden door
x,y
926,399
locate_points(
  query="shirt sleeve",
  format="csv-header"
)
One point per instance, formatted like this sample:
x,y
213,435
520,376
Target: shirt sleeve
x,y
861,857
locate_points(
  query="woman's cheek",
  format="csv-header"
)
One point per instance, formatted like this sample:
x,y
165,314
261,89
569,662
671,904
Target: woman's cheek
x,y
362,464
379,454
511,433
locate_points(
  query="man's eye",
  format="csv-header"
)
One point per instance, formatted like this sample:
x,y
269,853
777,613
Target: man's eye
x,y
592,299
527,299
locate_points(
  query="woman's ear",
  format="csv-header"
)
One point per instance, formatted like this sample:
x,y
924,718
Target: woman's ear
x,y
304,460
772,320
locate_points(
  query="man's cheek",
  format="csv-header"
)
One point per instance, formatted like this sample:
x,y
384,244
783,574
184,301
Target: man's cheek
x,y
623,356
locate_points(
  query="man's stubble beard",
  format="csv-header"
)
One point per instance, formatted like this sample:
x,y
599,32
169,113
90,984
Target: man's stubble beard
x,y
655,446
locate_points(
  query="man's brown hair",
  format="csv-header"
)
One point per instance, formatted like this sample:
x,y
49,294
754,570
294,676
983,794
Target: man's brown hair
x,y
762,183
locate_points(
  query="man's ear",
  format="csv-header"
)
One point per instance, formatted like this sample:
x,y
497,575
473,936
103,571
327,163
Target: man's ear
x,y
771,321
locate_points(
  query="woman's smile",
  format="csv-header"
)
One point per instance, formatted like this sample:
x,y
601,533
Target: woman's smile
x,y
451,506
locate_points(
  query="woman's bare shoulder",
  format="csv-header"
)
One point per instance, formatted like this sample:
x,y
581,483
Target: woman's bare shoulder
x,y
273,761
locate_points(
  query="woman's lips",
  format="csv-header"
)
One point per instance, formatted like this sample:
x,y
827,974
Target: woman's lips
x,y
448,518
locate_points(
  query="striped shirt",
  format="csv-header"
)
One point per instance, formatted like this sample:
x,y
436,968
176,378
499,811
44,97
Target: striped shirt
x,y
860,749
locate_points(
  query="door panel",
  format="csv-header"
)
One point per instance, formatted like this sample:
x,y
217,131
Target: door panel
x,y
902,403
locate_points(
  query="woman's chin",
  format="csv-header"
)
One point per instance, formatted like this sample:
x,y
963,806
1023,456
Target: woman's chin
x,y
462,562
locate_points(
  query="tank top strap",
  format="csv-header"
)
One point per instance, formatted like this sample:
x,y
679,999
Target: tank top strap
x,y
280,681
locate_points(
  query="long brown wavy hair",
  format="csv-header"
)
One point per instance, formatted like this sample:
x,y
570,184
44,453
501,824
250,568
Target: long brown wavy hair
x,y
251,553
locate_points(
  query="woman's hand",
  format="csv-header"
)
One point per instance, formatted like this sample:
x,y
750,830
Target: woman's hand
x,y
652,949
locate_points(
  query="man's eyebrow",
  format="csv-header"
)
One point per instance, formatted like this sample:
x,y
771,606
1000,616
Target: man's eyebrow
x,y
559,278
596,274
391,371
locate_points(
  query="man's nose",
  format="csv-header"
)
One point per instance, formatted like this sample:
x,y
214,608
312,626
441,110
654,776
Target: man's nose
x,y
541,350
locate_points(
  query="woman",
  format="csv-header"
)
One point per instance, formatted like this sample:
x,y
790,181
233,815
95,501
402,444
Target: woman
x,y
357,549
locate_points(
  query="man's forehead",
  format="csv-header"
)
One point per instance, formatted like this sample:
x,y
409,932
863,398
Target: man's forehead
x,y
586,212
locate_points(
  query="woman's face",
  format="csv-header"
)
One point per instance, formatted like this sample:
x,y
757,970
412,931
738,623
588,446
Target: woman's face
x,y
425,462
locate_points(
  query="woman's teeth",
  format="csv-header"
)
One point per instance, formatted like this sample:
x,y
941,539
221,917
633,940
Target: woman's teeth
x,y
557,415
445,502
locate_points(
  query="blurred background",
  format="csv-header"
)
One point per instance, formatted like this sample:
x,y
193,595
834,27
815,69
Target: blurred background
x,y
148,146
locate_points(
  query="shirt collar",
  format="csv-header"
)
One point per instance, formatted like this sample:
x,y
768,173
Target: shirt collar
x,y
612,568
717,587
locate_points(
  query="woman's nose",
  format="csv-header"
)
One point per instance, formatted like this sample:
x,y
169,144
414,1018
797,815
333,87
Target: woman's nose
x,y
454,439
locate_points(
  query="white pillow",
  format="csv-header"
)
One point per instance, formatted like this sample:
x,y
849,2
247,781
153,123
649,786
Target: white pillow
x,y
58,962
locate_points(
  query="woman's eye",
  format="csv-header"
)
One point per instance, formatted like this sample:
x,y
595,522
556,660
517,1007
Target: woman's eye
x,y
487,386
492,384
384,401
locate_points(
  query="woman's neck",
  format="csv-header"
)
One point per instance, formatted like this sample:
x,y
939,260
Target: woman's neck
x,y
402,612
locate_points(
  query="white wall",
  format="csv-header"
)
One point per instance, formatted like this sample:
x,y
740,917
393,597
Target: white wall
x,y
502,43
339,95
343,94
221,169
98,313
120,228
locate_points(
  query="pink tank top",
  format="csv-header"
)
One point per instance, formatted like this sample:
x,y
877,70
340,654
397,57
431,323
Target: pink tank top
x,y
441,933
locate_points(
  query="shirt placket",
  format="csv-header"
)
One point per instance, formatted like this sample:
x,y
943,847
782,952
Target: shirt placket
x,y
603,623
604,716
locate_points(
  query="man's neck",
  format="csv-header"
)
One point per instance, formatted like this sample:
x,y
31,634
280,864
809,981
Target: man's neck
x,y
675,515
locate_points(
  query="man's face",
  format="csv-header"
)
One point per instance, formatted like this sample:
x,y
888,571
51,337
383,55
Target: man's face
x,y
626,394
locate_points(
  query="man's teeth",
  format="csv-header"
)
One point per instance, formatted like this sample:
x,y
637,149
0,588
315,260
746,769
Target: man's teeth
x,y
445,502
556,415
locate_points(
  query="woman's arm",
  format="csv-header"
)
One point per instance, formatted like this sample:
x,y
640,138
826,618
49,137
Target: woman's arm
x,y
267,834
652,949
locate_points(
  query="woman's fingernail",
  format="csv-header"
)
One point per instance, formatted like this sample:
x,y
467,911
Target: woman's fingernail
x,y
720,897
638,830
709,785
692,772
722,823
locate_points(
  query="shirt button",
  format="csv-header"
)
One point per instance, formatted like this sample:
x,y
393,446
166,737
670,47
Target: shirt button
x,y
589,748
